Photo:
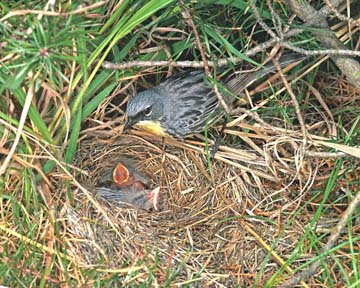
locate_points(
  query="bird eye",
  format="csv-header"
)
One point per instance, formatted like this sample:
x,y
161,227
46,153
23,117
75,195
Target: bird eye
x,y
147,111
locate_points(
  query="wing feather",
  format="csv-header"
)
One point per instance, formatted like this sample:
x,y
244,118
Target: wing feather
x,y
192,103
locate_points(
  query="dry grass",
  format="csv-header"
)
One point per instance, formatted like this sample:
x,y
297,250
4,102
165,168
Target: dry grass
x,y
257,213
213,228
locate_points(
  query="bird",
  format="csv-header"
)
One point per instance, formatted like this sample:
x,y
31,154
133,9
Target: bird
x,y
130,196
185,103
126,186
124,172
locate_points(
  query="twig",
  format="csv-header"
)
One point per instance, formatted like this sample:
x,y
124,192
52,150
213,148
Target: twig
x,y
262,23
275,18
190,22
51,13
323,12
293,97
332,52
182,64
316,154
285,44
255,116
260,48
225,62
307,13
187,17
340,16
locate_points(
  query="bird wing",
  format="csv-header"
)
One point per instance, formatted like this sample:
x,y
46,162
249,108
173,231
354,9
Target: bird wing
x,y
192,103
126,197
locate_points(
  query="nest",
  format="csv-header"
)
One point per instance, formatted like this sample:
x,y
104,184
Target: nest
x,y
205,221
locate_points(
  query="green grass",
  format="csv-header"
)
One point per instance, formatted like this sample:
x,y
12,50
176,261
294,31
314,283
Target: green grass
x,y
59,58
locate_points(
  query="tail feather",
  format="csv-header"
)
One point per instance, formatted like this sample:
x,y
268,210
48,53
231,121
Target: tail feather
x,y
237,82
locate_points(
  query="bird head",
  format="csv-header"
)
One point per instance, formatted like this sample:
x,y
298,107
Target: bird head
x,y
145,110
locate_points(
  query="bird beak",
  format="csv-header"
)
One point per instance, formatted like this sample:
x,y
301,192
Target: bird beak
x,y
129,123
154,197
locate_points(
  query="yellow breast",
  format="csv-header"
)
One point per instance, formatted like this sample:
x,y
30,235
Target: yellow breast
x,y
152,127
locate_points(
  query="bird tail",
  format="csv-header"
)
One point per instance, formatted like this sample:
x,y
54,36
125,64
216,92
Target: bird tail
x,y
237,81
